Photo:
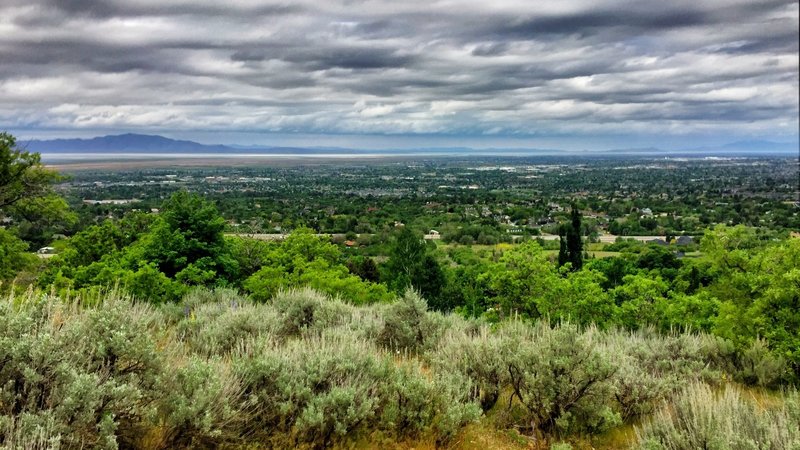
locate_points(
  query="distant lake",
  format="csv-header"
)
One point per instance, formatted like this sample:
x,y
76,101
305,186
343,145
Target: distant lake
x,y
53,158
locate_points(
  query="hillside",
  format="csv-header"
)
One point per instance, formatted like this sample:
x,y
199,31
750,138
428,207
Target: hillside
x,y
307,371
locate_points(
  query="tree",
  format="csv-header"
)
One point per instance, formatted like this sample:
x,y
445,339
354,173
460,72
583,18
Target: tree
x,y
574,243
364,267
522,280
22,175
304,259
571,246
38,219
405,254
758,286
410,264
188,236
563,255
26,195
13,256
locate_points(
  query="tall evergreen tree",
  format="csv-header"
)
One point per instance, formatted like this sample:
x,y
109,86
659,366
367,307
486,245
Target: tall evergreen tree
x,y
563,255
571,247
574,243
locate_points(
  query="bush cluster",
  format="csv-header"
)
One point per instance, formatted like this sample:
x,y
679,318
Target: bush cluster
x,y
307,371
318,390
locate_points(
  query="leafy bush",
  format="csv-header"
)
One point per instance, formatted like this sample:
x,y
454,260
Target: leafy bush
x,y
306,260
758,366
319,389
480,358
13,256
652,366
305,370
307,311
89,376
561,446
561,379
408,326
201,407
29,432
217,329
701,418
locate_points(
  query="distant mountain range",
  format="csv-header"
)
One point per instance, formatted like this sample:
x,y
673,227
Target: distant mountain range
x,y
146,144
128,143
765,146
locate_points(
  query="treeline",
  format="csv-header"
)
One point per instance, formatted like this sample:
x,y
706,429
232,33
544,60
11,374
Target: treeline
x,y
744,288
303,370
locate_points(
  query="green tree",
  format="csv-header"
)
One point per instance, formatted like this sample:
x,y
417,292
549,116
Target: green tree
x,y
305,259
92,243
38,219
522,280
411,264
563,254
405,254
22,175
579,298
758,287
187,236
570,244
364,267
26,194
574,243
14,256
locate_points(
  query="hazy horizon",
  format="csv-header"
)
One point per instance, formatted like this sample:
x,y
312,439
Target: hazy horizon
x,y
130,148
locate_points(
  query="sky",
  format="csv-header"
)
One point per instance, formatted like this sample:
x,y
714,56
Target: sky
x,y
571,74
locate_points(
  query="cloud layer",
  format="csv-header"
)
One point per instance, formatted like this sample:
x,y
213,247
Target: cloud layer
x,y
452,68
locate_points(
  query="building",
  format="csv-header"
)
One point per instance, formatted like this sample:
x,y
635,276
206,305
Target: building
x,y
123,201
433,235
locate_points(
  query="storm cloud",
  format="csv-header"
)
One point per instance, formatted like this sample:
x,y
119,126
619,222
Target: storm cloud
x,y
381,67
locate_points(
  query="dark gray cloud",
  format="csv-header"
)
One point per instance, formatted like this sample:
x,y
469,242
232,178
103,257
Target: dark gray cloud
x,y
575,67
124,8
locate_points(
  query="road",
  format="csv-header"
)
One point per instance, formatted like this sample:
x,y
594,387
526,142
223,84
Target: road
x,y
604,238
609,238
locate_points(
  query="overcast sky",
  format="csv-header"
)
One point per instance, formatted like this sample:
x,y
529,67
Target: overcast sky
x,y
394,73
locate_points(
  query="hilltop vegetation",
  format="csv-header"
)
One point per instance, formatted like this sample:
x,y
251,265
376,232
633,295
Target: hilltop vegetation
x,y
743,288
